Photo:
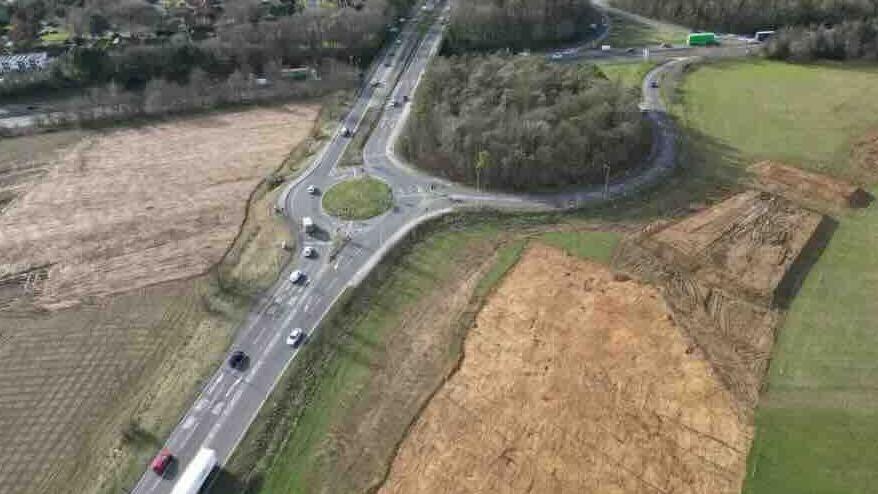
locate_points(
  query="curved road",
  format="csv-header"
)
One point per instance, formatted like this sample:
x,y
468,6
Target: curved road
x,y
231,399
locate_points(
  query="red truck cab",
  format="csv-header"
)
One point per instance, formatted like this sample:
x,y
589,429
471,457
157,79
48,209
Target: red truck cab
x,y
161,461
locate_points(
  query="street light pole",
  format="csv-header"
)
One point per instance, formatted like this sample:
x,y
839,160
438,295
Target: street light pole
x,y
606,181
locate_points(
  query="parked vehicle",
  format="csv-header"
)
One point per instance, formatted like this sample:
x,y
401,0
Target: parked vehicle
x,y
196,473
308,252
312,190
345,132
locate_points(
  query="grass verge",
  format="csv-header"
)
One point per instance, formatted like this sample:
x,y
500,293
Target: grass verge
x,y
358,199
592,245
628,74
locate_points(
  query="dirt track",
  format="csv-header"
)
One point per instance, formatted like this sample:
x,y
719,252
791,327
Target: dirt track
x,y
574,381
136,207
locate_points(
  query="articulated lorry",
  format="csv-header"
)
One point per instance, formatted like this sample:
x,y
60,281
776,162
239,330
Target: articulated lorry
x,y
196,473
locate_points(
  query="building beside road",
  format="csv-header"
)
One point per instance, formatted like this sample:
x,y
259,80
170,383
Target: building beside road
x,y
23,62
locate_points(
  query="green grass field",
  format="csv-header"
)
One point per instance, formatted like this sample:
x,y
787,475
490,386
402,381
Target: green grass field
x,y
806,114
628,74
817,424
358,199
594,246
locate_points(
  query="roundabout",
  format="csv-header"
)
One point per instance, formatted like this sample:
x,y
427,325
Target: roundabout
x,y
358,199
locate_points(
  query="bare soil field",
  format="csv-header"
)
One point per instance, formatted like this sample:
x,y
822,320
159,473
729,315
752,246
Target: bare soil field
x,y
745,244
803,186
575,379
25,160
723,272
135,207
88,391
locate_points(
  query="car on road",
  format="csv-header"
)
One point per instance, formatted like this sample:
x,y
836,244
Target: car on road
x,y
161,462
394,103
345,132
629,50
405,98
297,277
312,190
238,360
376,83
398,41
667,45
308,252
556,56
294,339
654,84
387,63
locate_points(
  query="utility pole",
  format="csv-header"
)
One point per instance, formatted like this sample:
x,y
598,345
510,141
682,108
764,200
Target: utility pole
x,y
606,181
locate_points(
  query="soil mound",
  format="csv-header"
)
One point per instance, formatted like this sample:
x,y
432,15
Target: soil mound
x,y
802,186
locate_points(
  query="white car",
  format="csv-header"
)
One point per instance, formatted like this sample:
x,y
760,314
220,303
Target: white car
x,y
294,339
312,190
297,277
308,252
557,56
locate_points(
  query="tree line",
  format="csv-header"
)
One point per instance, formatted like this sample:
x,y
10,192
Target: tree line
x,y
849,40
748,16
350,35
161,97
513,122
517,24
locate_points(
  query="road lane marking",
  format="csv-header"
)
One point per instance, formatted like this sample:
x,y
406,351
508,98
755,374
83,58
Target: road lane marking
x,y
232,387
200,404
214,384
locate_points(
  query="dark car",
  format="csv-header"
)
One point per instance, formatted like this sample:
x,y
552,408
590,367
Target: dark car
x,y
629,50
654,84
161,461
238,360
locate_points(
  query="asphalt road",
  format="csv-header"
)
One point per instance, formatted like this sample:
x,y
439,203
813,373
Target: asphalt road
x,y
228,403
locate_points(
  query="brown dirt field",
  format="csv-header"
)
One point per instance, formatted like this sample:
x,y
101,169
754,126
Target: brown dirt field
x,y
804,187
136,207
575,380
65,373
723,272
25,160
745,244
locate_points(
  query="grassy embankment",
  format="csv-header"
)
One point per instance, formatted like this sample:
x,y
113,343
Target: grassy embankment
x,y
358,199
817,423
627,32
